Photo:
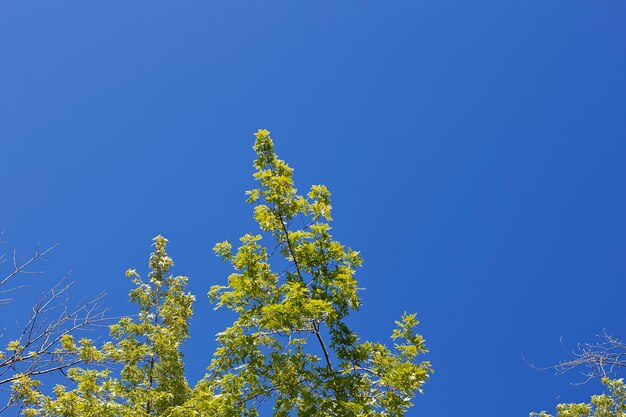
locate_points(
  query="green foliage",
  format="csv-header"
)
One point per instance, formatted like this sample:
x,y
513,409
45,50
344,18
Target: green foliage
x,y
291,343
145,350
290,346
612,404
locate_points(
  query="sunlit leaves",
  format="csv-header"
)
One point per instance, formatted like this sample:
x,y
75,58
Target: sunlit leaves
x,y
290,343
145,350
612,404
290,346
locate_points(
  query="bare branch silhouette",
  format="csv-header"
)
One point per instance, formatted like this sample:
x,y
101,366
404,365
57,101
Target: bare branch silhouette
x,y
604,357
36,348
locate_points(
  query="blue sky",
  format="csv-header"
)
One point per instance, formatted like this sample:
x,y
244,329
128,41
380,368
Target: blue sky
x,y
475,151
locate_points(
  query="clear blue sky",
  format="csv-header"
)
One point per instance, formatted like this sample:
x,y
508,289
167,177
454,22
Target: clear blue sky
x,y
476,151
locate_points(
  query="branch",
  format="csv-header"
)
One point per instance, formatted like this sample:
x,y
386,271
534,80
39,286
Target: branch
x,y
601,358
20,268
39,352
291,251
316,328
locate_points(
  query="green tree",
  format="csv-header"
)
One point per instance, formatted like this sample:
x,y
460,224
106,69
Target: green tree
x,y
290,346
290,343
611,404
144,353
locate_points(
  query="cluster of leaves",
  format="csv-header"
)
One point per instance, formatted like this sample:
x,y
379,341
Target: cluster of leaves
x,y
289,348
291,342
140,372
612,404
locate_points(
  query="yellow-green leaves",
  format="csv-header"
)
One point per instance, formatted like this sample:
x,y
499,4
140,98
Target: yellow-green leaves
x,y
320,202
14,346
295,311
612,404
290,343
223,249
292,290
145,351
26,391
160,263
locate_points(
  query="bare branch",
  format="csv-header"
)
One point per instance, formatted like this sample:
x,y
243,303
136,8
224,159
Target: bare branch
x,y
597,360
20,268
36,349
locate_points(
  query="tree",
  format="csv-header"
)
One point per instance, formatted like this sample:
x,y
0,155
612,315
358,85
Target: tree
x,y
612,404
600,360
290,346
35,350
145,354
